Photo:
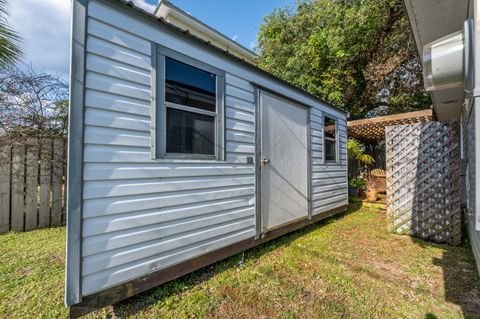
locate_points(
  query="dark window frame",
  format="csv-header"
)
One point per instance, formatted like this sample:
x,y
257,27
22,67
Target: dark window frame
x,y
335,139
159,142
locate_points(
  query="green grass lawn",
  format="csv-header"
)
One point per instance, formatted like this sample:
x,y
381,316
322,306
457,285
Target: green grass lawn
x,y
347,266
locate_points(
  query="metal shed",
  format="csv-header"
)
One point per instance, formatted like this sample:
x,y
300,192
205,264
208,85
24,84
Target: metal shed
x,y
181,154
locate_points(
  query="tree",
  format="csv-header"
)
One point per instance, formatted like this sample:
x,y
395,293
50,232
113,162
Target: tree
x,y
359,55
32,103
9,39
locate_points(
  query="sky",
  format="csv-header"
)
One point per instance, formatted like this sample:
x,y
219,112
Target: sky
x,y
44,25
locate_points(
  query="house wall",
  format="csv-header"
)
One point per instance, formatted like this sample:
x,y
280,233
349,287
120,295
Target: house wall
x,y
469,119
141,214
469,149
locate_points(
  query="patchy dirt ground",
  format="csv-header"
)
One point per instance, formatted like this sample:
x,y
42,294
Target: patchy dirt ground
x,y
345,267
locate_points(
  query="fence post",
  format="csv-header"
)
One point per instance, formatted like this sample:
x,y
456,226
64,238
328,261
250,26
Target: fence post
x,y
18,184
57,172
45,181
5,161
31,188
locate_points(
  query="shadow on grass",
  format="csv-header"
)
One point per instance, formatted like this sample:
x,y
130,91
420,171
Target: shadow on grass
x,y
460,277
144,300
428,187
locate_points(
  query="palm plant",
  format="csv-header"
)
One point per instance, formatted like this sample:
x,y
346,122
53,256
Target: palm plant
x,y
356,152
9,50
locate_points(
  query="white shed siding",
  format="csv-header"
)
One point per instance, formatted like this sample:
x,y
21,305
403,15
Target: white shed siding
x,y
139,214
329,181
240,119
151,32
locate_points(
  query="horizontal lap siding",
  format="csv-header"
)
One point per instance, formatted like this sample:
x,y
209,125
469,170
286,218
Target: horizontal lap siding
x,y
240,116
329,187
141,215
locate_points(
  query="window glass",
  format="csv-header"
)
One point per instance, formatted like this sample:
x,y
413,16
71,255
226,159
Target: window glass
x,y
330,151
189,86
330,134
330,127
190,133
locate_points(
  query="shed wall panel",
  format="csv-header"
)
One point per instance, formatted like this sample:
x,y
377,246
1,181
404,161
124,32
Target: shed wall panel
x,y
328,181
141,214
138,211
152,31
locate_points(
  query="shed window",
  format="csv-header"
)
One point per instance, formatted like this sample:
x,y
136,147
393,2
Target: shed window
x,y
330,139
190,108
189,86
190,133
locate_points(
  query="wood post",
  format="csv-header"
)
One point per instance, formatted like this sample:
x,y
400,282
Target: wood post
x,y
5,169
18,184
45,182
31,197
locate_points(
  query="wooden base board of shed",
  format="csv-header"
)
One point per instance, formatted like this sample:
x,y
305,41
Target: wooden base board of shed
x,y
126,290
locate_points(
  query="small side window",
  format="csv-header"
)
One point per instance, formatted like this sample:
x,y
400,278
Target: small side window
x,y
330,139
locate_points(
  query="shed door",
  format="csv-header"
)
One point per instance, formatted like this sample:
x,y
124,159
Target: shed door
x,y
283,161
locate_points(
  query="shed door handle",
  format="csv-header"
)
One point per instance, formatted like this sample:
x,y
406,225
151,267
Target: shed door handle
x,y
265,161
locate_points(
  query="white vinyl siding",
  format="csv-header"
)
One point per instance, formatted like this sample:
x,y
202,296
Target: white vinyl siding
x,y
240,120
329,180
141,214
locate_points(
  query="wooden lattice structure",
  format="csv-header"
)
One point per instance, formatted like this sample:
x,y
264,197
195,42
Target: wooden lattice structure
x,y
373,129
423,181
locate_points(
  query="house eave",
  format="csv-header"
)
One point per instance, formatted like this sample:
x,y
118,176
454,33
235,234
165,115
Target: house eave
x,y
431,20
167,10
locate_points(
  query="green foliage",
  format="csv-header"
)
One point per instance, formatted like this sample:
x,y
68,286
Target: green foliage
x,y
356,151
9,50
356,183
356,54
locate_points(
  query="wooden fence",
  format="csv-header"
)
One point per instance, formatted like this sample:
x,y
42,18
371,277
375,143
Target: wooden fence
x,y
32,179
423,181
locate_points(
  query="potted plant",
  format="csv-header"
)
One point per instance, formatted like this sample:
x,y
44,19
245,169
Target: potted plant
x,y
355,185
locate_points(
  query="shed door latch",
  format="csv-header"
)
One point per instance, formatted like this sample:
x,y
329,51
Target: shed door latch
x,y
265,161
